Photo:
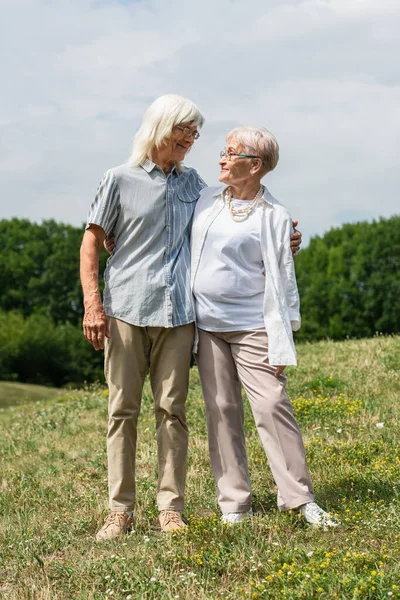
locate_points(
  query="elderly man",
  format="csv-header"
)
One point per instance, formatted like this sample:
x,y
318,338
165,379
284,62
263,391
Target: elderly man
x,y
146,318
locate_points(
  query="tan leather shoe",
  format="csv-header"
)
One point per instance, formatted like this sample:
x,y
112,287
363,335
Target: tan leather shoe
x,y
116,524
170,520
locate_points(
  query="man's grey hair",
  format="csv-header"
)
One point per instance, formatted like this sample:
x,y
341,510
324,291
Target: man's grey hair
x,y
260,142
157,124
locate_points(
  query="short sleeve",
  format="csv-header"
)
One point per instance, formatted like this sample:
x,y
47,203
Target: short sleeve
x,y
201,183
106,205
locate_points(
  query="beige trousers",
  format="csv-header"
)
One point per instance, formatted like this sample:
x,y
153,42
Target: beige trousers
x,y
128,353
225,360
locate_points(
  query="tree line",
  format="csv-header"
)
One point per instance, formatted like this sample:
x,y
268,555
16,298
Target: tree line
x,y
349,283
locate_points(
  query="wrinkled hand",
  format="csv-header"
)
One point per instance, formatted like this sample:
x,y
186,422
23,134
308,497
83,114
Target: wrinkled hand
x,y
109,243
295,240
279,370
95,326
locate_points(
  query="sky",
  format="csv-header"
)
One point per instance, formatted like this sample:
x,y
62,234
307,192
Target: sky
x,y
322,75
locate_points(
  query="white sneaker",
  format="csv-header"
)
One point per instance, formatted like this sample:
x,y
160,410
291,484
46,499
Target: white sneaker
x,y
231,518
317,517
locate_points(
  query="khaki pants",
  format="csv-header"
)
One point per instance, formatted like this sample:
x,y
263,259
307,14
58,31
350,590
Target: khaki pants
x,y
128,353
225,360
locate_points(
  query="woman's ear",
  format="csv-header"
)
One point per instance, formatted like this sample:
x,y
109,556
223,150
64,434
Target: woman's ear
x,y
256,166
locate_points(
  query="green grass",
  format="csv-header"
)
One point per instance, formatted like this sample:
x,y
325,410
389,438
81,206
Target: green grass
x,y
15,394
54,486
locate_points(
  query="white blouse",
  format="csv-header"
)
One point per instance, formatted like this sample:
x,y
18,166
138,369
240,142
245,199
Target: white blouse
x,y
230,282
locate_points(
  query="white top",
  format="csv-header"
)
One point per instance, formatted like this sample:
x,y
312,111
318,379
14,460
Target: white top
x,y
230,282
281,299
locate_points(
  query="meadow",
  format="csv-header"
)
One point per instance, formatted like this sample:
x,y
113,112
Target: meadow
x,y
53,495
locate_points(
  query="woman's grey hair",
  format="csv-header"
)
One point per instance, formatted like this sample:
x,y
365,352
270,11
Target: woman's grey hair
x,y
258,141
159,120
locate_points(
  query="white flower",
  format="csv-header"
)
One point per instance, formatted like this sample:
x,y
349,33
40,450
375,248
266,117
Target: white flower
x,y
129,597
379,425
153,579
310,553
339,430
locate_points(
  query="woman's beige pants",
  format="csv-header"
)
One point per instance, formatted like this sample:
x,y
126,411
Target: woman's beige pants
x,y
129,352
225,360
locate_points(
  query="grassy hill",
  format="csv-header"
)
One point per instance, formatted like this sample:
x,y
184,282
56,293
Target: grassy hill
x,y
53,497
15,394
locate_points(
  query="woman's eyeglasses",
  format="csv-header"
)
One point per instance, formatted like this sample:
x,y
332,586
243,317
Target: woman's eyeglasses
x,y
228,155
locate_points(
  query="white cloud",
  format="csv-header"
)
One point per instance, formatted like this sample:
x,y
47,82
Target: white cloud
x,y
321,74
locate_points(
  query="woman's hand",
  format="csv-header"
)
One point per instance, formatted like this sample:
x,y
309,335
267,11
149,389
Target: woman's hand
x,y
279,370
109,243
295,239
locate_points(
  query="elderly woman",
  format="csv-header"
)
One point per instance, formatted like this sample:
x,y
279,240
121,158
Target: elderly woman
x,y
247,306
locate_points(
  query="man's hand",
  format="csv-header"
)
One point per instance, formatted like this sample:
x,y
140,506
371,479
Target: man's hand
x,y
95,326
279,370
295,240
109,243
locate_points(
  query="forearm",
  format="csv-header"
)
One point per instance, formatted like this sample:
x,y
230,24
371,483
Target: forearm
x,y
89,270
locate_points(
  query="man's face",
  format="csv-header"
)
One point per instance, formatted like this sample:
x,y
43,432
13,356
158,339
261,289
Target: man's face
x,y
181,141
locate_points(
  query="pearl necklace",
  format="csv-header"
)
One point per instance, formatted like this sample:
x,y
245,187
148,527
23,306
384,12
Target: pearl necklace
x,y
241,214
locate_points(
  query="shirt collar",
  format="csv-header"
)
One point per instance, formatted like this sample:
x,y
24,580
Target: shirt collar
x,y
220,190
148,166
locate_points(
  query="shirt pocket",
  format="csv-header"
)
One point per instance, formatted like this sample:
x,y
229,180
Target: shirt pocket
x,y
189,193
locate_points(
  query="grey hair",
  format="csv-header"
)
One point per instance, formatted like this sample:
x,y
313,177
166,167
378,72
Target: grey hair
x,y
157,124
259,141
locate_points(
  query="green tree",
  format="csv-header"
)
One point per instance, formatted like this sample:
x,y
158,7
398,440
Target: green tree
x,y
36,350
349,281
40,269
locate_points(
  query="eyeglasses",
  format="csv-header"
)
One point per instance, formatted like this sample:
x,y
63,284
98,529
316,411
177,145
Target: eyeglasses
x,y
229,155
187,132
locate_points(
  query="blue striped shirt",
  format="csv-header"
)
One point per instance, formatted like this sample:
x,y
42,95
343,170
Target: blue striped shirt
x,y
147,278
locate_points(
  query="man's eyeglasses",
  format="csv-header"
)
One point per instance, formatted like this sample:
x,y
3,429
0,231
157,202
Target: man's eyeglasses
x,y
187,132
228,155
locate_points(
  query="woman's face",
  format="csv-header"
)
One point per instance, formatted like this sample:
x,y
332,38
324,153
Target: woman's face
x,y
235,169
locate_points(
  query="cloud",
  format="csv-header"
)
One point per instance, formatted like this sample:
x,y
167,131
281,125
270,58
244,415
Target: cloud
x,y
320,74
